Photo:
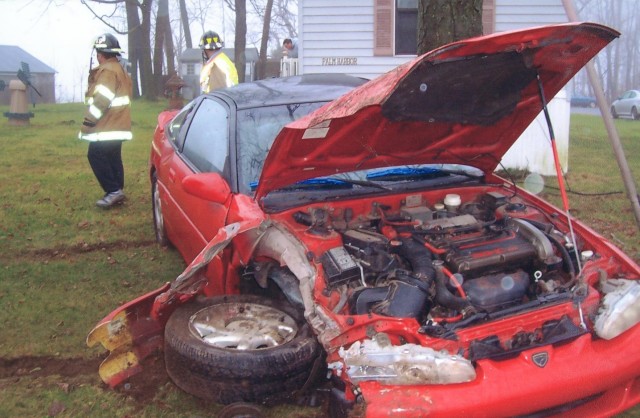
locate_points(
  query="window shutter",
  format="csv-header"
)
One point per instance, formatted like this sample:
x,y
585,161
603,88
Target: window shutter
x,y
383,28
488,16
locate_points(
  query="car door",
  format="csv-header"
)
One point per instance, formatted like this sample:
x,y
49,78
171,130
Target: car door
x,y
626,101
203,146
632,101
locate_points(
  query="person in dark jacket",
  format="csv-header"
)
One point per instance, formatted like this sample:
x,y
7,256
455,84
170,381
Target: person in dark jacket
x,y
107,121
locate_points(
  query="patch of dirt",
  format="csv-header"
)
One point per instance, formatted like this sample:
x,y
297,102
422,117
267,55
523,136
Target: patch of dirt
x,y
144,386
61,252
46,366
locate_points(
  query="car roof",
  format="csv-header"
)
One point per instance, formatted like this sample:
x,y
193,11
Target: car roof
x,y
295,89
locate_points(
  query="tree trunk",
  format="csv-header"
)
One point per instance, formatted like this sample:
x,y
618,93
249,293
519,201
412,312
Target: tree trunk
x,y
158,43
134,41
149,90
241,38
184,18
163,51
170,51
266,29
443,21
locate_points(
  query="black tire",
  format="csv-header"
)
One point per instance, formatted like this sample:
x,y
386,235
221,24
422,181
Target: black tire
x,y
634,113
614,113
241,410
227,375
156,209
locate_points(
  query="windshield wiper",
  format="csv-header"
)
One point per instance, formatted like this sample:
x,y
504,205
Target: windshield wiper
x,y
417,173
332,183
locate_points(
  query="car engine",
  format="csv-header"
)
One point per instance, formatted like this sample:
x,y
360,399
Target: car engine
x,y
447,262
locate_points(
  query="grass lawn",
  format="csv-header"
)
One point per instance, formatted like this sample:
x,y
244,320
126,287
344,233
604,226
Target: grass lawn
x,y
65,263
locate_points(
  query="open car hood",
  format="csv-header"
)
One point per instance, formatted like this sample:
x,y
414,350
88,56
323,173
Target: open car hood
x,y
463,103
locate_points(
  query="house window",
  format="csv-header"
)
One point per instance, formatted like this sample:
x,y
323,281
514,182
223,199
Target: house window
x,y
396,26
406,42
191,69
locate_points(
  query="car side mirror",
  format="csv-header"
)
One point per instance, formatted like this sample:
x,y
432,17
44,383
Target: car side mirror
x,y
208,186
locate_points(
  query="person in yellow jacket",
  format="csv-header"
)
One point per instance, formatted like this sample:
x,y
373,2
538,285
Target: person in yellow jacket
x,y
107,120
218,71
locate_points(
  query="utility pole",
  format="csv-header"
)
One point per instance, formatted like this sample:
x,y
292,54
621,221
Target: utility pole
x,y
614,138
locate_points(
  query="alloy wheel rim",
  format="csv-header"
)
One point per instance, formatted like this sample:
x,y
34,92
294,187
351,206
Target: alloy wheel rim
x,y
242,326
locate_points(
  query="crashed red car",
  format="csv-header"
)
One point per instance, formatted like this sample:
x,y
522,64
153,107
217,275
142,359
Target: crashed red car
x,y
379,250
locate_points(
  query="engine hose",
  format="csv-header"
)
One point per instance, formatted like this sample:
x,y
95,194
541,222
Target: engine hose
x,y
423,284
444,297
566,258
342,301
419,258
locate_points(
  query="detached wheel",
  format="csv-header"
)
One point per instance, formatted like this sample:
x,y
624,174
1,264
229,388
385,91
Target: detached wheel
x,y
158,219
239,348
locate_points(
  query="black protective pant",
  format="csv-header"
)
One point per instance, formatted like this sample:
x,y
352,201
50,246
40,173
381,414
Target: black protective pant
x,y
105,158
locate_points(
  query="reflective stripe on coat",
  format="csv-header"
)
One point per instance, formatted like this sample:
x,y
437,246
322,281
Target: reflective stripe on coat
x,y
108,115
218,72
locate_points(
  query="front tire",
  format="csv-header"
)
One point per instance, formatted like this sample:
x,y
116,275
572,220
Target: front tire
x,y
634,113
614,113
239,348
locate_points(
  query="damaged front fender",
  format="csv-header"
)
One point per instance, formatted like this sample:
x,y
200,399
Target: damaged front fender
x,y
130,334
135,330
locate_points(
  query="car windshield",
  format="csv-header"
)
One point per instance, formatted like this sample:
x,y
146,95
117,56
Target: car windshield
x,y
256,130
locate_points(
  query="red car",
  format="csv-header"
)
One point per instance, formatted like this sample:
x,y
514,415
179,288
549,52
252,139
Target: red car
x,y
371,248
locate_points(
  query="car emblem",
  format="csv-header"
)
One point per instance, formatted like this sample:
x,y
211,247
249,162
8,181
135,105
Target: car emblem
x,y
540,359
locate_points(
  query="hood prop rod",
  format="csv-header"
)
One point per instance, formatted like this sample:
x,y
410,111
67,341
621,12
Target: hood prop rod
x,y
580,288
556,160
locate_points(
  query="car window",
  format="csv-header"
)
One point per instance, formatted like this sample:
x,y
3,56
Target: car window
x,y
256,130
206,144
175,126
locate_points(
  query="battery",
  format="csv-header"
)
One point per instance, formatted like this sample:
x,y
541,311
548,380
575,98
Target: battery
x,y
339,267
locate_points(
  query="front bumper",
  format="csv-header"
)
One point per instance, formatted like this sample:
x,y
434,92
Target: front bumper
x,y
586,377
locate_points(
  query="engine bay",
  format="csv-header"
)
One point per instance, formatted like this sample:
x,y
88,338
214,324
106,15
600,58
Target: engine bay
x,y
448,265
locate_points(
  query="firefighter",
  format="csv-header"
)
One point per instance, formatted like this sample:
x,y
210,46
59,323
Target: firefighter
x,y
218,71
107,121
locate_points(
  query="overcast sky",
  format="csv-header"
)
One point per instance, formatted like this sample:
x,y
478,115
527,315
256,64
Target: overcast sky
x,y
60,33
61,36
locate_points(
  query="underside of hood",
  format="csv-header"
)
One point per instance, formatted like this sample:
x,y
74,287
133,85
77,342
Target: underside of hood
x,y
463,103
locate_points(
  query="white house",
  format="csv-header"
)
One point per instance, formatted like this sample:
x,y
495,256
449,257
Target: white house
x,y
367,38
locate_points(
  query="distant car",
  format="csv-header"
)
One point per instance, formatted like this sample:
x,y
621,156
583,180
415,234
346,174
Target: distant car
x,y
370,247
627,105
583,101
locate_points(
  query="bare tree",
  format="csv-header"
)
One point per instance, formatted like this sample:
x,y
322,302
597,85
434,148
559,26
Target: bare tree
x,y
284,17
241,38
184,20
266,30
163,44
617,63
239,7
138,18
441,22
